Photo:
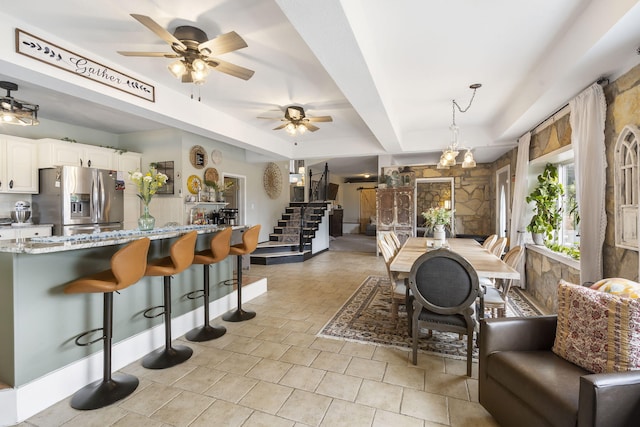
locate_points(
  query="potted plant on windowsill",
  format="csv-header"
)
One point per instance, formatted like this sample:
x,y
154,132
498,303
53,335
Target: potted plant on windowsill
x,y
547,210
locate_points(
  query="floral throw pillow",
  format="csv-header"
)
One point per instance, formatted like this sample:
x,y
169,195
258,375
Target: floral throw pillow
x,y
598,331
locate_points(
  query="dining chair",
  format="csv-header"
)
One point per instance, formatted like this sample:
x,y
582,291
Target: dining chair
x,y
489,242
392,240
498,247
496,298
444,287
398,286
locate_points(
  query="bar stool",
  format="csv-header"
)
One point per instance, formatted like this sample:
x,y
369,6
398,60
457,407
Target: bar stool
x,y
219,250
182,252
127,267
248,245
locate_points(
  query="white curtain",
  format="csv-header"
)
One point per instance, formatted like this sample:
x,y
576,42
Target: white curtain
x,y
517,232
588,114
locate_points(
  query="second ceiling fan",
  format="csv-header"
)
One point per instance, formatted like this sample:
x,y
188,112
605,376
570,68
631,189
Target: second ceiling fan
x,y
194,50
296,121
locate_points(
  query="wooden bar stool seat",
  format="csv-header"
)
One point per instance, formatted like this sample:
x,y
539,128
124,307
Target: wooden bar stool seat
x,y
127,267
248,245
218,251
182,252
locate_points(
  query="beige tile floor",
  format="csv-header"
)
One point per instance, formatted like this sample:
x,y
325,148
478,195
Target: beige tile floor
x,y
274,371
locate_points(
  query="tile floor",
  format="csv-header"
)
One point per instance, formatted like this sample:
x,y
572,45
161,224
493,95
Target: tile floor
x,y
274,371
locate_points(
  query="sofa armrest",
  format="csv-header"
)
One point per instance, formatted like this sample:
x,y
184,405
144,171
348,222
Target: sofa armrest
x,y
517,334
609,399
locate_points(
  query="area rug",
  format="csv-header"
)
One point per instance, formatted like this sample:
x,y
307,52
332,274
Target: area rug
x,y
366,318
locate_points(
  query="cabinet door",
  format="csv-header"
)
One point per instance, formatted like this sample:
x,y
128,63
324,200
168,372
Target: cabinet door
x,y
97,157
21,167
386,207
404,208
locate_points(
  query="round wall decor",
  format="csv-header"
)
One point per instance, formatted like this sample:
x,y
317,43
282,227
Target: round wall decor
x,y
194,184
211,175
216,157
198,157
272,180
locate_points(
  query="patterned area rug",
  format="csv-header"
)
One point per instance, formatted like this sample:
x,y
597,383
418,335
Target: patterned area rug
x,y
366,317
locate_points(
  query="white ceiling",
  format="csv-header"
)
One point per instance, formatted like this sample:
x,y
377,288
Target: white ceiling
x,y
386,72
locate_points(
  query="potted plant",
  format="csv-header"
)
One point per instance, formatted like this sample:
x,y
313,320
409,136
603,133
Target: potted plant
x,y
218,189
547,210
437,219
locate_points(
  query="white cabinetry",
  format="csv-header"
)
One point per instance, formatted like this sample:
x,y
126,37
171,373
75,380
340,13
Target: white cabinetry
x,y
54,152
18,165
24,232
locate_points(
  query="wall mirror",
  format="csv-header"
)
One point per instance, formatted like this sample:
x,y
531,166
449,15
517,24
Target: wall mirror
x,y
433,193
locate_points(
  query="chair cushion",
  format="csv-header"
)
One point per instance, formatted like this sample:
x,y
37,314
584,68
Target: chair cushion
x,y
543,381
598,331
492,296
617,286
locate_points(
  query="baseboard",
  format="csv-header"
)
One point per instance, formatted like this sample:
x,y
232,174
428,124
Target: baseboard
x,y
18,404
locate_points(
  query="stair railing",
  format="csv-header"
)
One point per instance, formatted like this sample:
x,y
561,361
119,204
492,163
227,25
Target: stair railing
x,y
314,195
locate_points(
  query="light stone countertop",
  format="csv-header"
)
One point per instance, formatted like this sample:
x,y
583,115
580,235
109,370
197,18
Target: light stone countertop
x,y
43,245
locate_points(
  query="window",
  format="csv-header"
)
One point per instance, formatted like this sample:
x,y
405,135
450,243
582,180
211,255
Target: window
x,y
569,234
626,187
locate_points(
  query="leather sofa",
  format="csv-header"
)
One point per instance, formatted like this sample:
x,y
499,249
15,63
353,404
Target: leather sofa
x,y
523,383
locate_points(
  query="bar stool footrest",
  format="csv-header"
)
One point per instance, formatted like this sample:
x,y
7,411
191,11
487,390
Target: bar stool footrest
x,y
84,334
102,393
238,315
167,357
195,294
205,333
230,282
148,315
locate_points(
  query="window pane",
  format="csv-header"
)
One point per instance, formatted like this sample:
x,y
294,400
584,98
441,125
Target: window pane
x,y
570,215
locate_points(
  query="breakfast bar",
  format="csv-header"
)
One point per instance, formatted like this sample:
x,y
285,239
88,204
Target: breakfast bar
x,y
38,322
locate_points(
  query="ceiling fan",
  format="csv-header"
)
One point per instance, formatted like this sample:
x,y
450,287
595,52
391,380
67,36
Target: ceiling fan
x,y
297,121
192,47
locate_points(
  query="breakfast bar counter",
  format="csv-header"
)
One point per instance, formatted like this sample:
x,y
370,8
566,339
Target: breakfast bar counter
x,y
38,322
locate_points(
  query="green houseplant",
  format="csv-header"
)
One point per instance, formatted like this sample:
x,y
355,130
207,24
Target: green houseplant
x,y
547,210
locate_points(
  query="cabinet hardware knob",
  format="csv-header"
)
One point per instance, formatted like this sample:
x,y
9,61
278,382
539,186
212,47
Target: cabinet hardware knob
x,y
11,184
89,163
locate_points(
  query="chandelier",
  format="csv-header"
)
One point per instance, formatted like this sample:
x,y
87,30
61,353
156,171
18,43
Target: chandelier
x,y
450,154
15,112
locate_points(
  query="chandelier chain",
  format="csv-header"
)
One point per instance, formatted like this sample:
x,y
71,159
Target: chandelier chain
x,y
456,105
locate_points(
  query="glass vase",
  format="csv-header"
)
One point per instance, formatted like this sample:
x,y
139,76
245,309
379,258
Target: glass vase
x,y
146,221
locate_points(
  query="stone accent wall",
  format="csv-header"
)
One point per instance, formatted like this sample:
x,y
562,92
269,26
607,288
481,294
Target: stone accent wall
x,y
474,198
623,108
543,274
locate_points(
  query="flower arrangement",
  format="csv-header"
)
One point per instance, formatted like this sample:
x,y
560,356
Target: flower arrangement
x,y
148,183
437,216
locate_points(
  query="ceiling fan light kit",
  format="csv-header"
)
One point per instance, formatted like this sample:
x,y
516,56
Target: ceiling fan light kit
x,y
15,112
449,155
193,49
297,122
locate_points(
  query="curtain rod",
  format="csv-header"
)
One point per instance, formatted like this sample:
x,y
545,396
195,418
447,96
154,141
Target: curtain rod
x,y
602,81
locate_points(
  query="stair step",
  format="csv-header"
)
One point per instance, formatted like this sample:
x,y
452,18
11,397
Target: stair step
x,y
280,257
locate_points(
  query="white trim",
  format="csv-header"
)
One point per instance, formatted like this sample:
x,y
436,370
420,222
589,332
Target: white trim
x,y
18,404
507,169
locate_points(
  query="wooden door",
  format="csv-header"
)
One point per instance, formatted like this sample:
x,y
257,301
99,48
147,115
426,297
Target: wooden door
x,y
367,207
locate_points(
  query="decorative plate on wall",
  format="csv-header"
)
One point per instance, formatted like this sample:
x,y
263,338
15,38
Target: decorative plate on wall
x,y
272,180
198,157
216,157
211,174
194,183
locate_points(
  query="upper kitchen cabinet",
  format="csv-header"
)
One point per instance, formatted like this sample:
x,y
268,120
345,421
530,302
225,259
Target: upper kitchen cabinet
x,y
18,165
54,152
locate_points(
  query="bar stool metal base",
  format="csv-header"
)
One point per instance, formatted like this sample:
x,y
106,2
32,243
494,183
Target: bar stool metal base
x,y
167,357
102,393
205,333
238,315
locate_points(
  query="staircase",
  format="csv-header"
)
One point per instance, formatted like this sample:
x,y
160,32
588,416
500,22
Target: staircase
x,y
283,246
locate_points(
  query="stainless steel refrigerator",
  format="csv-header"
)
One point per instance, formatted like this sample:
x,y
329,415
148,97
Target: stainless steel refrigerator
x,y
79,200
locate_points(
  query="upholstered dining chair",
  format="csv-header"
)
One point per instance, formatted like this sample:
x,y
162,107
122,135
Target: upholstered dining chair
x,y
496,298
398,286
444,289
489,242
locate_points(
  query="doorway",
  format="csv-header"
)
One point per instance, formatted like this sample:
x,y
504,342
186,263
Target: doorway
x,y
367,208
503,201
234,196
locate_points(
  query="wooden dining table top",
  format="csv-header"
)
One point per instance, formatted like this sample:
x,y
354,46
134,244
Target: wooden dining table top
x,y
484,262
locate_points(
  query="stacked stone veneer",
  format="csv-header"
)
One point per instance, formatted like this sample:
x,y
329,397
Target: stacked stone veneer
x,y
543,274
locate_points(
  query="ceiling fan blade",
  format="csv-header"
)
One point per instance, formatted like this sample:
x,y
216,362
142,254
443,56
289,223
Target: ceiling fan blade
x,y
151,54
231,69
270,118
160,31
222,44
310,127
282,126
320,119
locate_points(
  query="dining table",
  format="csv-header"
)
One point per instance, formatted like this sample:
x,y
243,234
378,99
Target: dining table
x,y
483,261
